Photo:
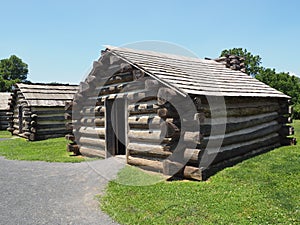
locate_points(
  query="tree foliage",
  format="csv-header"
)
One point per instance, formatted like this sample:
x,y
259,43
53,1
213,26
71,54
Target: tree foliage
x,y
12,70
284,82
252,62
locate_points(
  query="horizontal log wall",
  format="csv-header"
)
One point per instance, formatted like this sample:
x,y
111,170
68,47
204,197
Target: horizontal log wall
x,y
252,126
3,119
88,119
38,123
47,122
15,124
210,136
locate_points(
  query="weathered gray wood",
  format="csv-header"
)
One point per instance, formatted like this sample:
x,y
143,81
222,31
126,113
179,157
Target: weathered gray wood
x,y
190,172
93,111
194,137
143,108
206,173
85,141
165,95
92,132
99,122
151,84
152,136
235,112
147,147
241,135
120,78
155,153
92,152
148,164
51,118
214,155
146,95
234,123
144,121
172,167
57,131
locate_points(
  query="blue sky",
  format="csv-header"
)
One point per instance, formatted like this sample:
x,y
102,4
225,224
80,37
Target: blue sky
x,y
59,40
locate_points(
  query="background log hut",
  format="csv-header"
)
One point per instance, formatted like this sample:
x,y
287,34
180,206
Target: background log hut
x,y
4,110
38,110
176,115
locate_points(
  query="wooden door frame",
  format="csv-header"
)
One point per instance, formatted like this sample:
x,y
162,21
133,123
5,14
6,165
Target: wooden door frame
x,y
116,123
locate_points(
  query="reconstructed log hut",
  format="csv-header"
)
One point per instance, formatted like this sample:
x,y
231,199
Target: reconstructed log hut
x,y
37,110
4,98
176,115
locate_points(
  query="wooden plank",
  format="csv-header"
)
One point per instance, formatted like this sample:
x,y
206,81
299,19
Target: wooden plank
x,y
92,132
207,172
144,121
241,135
154,136
147,147
191,172
85,141
213,155
92,151
152,165
143,108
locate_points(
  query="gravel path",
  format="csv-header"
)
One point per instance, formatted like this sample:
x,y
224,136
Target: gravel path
x,y
54,193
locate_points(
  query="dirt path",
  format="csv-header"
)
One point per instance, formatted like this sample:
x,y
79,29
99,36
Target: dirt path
x,y
53,193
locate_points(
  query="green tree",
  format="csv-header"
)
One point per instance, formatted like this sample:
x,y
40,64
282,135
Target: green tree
x,y
284,82
12,70
252,62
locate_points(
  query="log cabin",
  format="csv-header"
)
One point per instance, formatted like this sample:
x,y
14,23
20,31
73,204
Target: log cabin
x,y
175,115
37,110
4,98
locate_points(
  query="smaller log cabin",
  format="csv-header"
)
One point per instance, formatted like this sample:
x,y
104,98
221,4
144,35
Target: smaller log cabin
x,y
4,108
37,110
176,115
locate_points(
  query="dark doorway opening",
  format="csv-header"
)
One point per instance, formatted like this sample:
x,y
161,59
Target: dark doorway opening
x,y
20,118
116,126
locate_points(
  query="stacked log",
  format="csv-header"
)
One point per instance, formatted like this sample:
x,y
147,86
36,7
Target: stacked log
x,y
170,133
72,146
35,122
252,126
4,110
108,79
153,137
19,115
233,62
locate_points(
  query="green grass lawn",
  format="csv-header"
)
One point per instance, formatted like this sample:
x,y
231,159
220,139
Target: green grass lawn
x,y
261,190
51,150
5,134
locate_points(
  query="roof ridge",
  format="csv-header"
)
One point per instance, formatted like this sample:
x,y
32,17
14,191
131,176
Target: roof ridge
x,y
159,54
47,84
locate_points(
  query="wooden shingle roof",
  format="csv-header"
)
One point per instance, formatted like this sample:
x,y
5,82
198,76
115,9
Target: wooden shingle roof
x,y
195,76
4,99
47,95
